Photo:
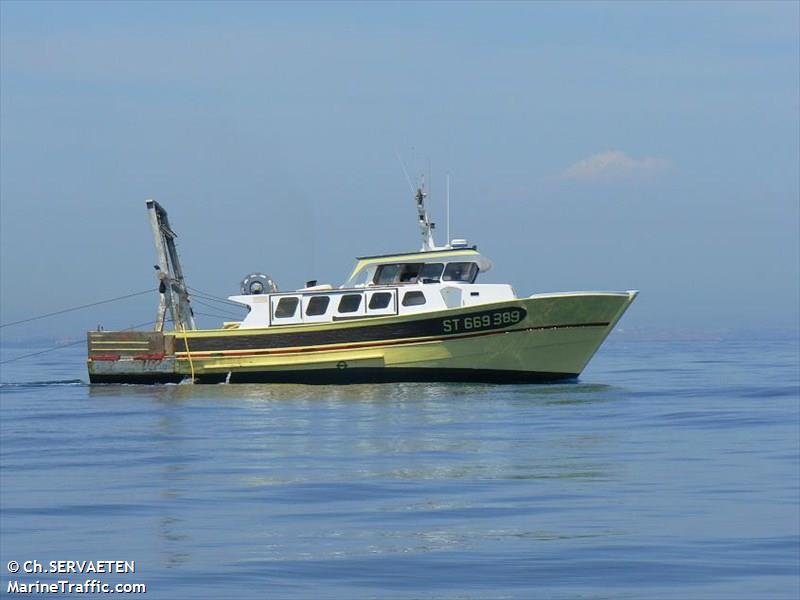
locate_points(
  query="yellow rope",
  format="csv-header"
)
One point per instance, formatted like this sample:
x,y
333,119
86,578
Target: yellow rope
x,y
188,354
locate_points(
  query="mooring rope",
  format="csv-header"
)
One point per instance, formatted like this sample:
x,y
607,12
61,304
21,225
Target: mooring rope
x,y
224,309
200,293
60,346
213,298
2,362
188,354
223,317
66,310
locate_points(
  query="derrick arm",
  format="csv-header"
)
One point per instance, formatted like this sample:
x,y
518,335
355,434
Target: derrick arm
x,y
174,296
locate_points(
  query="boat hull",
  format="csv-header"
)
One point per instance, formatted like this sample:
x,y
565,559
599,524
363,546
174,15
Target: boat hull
x,y
538,339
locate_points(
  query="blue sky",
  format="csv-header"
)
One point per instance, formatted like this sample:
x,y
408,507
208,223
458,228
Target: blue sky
x,y
650,146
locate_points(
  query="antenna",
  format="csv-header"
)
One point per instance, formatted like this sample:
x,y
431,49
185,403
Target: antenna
x,y
405,172
447,200
430,177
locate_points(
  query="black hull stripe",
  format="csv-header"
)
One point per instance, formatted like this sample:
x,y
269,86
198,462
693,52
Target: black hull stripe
x,y
400,333
378,344
353,333
356,375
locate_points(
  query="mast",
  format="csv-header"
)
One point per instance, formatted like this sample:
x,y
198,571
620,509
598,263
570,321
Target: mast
x,y
174,296
425,225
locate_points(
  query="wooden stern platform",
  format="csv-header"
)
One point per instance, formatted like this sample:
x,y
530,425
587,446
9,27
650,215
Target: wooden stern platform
x,y
132,357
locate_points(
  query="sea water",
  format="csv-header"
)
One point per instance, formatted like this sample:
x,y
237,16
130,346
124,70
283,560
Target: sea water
x,y
670,470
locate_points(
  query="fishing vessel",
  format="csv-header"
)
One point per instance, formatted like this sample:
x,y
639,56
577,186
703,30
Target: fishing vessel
x,y
409,316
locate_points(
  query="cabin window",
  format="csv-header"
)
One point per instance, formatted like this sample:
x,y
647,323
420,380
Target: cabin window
x,y
379,300
386,274
360,280
349,303
398,273
409,272
413,299
431,272
317,305
286,308
461,271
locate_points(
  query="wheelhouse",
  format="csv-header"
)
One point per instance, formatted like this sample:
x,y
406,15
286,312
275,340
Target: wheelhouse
x,y
454,266
382,286
417,272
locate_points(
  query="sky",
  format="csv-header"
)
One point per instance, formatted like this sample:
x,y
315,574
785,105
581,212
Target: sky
x,y
613,146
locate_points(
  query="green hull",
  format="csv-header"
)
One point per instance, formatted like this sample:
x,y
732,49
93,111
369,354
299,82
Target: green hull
x,y
536,339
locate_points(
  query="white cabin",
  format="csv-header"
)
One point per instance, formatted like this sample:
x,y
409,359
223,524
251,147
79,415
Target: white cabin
x,y
379,286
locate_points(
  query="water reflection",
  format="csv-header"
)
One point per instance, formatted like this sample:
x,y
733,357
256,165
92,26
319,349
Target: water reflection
x,y
175,543
281,455
405,431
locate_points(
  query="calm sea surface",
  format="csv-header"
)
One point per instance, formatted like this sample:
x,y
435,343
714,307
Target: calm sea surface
x,y
671,470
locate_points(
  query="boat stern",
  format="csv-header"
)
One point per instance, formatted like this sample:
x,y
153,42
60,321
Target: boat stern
x,y
131,357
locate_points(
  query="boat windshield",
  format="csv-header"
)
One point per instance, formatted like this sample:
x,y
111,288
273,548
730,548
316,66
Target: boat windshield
x,y
432,272
461,271
425,273
387,274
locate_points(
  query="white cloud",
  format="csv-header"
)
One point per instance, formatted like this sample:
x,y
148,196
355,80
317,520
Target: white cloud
x,y
614,166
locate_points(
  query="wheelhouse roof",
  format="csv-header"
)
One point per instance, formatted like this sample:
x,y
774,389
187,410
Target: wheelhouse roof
x,y
423,253
420,256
